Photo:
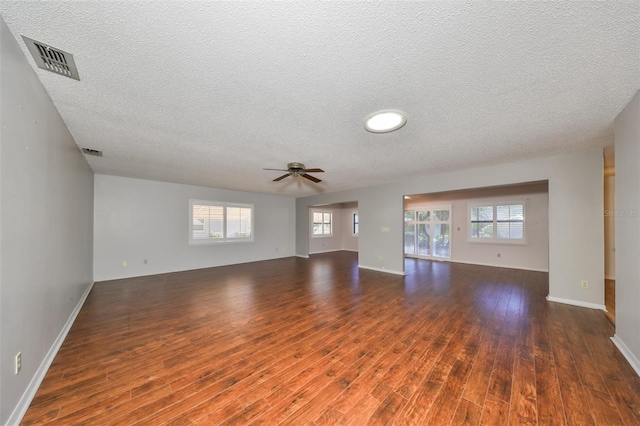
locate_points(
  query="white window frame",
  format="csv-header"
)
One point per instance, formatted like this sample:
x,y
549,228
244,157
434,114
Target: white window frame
x,y
224,239
323,212
355,220
495,239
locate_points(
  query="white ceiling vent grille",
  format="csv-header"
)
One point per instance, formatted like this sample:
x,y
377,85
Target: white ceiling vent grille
x,y
93,152
52,59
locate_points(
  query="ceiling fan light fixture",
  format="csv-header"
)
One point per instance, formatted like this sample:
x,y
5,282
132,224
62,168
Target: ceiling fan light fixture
x,y
385,121
298,169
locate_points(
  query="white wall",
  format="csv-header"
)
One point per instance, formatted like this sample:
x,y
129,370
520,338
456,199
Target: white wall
x,y
627,231
575,206
609,227
138,219
46,210
349,241
534,255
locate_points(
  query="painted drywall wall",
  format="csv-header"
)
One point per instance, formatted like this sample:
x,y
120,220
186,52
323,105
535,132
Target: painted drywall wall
x,y
46,224
627,216
575,205
609,227
533,255
349,240
139,219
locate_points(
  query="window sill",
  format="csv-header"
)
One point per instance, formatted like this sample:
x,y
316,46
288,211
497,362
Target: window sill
x,y
522,242
212,242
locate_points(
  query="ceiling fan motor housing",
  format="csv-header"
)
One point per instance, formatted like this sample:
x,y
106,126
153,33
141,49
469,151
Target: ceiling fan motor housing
x,y
295,167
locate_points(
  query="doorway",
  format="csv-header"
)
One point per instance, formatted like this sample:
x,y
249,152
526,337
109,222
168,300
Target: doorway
x,y
609,234
503,226
333,227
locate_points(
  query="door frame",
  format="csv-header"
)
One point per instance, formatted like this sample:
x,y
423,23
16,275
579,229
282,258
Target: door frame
x,y
430,208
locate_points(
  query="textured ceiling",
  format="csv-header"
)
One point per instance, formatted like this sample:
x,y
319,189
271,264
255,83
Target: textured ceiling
x,y
211,93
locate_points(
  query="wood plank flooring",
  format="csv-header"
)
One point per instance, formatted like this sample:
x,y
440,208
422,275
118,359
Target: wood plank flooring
x,y
319,342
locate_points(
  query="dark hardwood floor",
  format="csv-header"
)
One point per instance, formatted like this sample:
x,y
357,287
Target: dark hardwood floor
x,y
318,342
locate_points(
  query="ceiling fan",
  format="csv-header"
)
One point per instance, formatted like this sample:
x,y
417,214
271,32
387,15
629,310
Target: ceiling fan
x,y
297,169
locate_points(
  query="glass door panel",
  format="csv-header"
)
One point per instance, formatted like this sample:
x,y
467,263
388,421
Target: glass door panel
x,y
409,238
424,239
441,240
441,215
427,232
423,216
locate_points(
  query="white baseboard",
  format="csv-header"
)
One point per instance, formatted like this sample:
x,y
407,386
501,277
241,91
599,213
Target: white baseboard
x,y
626,352
576,303
388,271
325,251
25,400
500,266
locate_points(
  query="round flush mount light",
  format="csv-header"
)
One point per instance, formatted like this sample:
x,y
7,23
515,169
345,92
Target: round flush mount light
x,y
385,121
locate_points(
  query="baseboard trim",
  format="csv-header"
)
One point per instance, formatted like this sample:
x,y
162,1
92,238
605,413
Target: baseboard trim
x,y
24,402
626,352
387,271
576,303
325,251
302,256
500,266
355,251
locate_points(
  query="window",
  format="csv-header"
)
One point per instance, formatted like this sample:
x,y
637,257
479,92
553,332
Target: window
x,y
198,224
510,222
501,222
482,222
322,224
217,222
355,223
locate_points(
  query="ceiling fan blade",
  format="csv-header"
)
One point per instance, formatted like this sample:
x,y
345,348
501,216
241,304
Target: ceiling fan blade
x,y
314,170
311,178
278,170
282,177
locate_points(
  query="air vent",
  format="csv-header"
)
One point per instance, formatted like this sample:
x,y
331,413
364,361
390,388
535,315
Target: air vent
x,y
93,152
52,59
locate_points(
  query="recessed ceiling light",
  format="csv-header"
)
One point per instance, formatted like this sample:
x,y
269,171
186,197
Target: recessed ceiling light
x,y
385,121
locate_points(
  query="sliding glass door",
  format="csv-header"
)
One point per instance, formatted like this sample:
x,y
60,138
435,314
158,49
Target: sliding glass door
x,y
427,232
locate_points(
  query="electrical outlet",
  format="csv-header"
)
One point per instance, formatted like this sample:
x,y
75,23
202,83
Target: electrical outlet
x,y
145,261
124,263
18,362
499,255
584,284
